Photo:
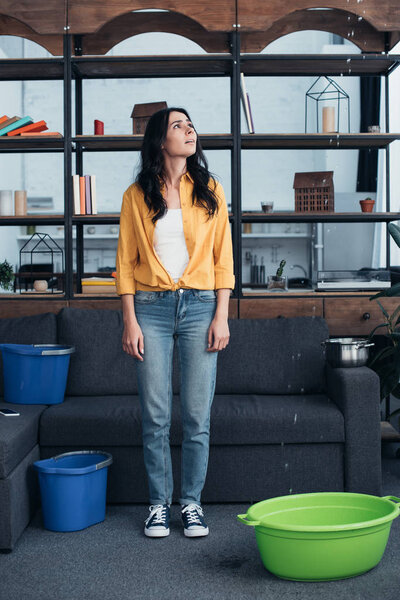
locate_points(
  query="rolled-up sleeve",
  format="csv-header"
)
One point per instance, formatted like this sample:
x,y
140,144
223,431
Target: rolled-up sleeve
x,y
223,254
127,252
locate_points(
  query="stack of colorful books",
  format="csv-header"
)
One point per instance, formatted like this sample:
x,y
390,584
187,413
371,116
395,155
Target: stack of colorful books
x,y
98,285
84,193
24,127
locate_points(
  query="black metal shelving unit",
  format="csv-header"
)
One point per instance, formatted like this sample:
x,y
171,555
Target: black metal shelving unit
x,y
77,67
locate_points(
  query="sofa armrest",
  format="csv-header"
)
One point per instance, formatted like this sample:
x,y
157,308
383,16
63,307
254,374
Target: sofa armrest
x,y
356,393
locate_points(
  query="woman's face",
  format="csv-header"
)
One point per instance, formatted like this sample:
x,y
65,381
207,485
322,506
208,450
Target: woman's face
x,y
181,137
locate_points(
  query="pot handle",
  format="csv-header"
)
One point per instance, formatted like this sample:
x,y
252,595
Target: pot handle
x,y
357,346
242,519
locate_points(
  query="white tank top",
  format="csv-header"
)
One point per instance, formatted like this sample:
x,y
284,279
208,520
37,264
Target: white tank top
x,y
169,243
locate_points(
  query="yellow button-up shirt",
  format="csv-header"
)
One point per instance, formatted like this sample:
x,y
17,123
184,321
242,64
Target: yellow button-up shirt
x,y
209,244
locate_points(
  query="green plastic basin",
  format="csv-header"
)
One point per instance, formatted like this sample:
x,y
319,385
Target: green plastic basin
x,y
324,536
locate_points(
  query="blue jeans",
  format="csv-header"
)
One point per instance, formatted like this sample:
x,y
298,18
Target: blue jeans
x,y
186,315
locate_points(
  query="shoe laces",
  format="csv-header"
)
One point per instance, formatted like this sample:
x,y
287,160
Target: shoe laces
x,y
193,512
159,512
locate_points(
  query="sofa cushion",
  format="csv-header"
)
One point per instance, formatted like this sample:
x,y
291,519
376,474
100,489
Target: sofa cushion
x,y
273,356
37,329
99,366
235,420
18,435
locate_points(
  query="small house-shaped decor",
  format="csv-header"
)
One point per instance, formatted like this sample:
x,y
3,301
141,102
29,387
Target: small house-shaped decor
x,y
326,92
37,260
141,114
313,192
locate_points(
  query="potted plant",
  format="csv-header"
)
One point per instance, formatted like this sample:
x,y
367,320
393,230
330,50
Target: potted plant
x,y
6,276
385,361
367,205
278,281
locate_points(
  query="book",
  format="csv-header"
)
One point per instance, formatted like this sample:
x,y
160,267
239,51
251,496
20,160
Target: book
x,y
93,194
17,123
42,133
244,97
4,118
98,285
38,126
88,202
82,194
8,122
251,116
76,195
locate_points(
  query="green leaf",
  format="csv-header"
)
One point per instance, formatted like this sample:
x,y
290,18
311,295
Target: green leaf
x,y
394,290
377,327
383,309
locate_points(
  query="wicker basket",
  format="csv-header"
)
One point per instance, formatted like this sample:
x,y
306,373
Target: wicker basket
x,y
314,192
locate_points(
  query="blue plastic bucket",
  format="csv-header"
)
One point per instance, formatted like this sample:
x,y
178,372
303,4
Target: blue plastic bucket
x,y
73,489
35,374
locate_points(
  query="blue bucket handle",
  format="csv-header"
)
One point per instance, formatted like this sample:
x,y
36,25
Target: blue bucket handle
x,y
57,351
100,465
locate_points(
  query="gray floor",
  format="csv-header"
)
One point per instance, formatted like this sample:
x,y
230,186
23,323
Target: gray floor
x,y
113,560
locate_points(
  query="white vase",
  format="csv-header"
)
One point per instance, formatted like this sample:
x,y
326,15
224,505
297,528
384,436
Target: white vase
x,y
6,203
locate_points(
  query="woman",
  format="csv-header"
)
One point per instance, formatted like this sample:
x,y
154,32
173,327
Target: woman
x,y
175,275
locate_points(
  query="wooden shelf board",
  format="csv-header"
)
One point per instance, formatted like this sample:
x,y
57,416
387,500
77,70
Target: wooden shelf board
x,y
330,141
40,142
32,220
319,217
151,66
318,64
134,142
13,69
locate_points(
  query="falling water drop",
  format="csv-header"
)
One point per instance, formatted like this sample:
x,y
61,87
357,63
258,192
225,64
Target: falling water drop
x,y
286,466
302,390
295,419
290,490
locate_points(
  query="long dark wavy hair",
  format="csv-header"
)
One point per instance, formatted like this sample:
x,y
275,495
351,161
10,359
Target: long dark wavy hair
x,y
152,167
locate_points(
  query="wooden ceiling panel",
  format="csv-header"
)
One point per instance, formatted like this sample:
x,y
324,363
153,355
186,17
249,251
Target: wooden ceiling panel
x,y
342,23
128,25
88,16
259,15
44,17
52,43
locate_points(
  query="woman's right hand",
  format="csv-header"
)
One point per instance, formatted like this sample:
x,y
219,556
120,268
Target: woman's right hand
x,y
132,340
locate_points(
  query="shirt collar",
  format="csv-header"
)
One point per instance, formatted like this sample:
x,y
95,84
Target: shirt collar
x,y
187,175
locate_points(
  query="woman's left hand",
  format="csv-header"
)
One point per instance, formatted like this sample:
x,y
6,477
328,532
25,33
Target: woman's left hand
x,y
218,334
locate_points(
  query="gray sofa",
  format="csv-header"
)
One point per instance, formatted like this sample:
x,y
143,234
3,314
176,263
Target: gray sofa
x,y
282,420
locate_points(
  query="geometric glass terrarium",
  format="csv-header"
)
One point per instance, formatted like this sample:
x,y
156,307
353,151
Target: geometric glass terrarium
x,y
328,94
38,258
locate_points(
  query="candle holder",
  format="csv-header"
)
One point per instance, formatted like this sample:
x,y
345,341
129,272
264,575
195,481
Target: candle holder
x,y
326,90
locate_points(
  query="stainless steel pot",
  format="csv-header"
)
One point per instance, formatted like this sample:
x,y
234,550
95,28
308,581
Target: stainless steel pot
x,y
347,352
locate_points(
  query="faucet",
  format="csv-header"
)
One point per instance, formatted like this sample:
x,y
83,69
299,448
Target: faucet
x,y
300,267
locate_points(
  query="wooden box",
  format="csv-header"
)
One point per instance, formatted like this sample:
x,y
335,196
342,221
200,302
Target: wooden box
x,y
314,192
141,114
